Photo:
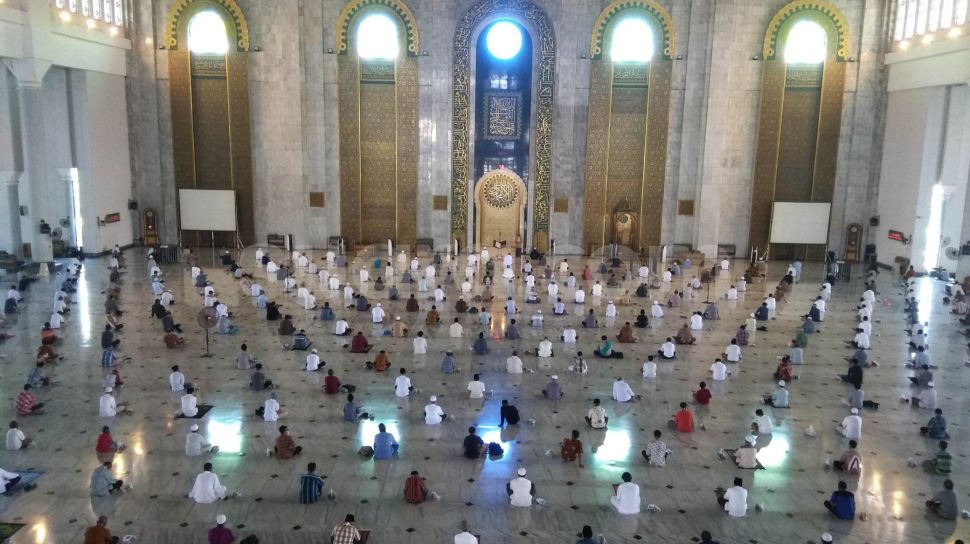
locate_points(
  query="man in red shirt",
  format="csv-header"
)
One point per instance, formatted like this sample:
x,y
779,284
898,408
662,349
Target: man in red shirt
x,y
359,344
703,395
99,534
107,447
683,421
27,403
220,534
414,490
331,384
285,447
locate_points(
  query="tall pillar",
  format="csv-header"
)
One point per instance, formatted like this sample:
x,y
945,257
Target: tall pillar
x,y
11,182
31,97
67,186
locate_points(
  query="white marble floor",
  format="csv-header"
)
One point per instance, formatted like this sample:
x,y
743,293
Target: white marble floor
x,y
791,490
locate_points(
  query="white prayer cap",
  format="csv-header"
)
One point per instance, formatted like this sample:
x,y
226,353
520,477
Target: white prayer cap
x,y
314,350
930,384
655,302
751,439
855,410
378,304
555,377
434,398
521,471
397,318
826,537
781,383
108,390
194,427
752,315
221,519
611,302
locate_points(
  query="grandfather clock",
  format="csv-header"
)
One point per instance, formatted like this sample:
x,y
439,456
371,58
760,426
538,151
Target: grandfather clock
x,y
853,242
150,227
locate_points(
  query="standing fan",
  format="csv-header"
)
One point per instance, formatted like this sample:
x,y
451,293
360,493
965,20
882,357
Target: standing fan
x,y
207,320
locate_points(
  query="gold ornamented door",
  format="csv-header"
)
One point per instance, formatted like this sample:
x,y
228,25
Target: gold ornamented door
x,y
500,198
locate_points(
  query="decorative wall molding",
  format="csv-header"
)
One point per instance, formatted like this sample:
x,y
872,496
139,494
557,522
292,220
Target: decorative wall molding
x,y
399,8
655,10
180,7
811,7
545,80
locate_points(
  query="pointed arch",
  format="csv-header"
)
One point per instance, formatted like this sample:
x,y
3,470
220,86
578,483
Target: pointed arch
x,y
231,8
661,19
399,8
823,12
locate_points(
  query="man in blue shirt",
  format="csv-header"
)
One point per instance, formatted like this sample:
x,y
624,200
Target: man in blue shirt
x,y
842,503
385,446
352,410
311,485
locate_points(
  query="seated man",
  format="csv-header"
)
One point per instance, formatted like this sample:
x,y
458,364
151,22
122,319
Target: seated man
x,y
286,327
480,347
747,455
353,411
684,336
300,341
326,313
604,349
944,503
257,380
626,335
942,462
571,450
784,370
545,348
683,420
27,404
850,462
512,332
935,428
657,451
508,414
668,350
285,448
553,390
842,503
359,344
415,491
778,398
473,445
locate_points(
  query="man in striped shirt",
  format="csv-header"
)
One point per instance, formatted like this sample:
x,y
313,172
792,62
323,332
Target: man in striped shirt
x,y
27,403
414,490
311,485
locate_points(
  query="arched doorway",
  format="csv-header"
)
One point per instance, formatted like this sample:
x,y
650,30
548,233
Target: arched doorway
x,y
500,198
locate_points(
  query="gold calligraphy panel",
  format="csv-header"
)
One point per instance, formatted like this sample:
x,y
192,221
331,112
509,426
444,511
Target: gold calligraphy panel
x,y
503,116
535,16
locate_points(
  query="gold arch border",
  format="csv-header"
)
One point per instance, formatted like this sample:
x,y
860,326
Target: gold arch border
x,y
231,7
799,7
619,6
544,89
399,8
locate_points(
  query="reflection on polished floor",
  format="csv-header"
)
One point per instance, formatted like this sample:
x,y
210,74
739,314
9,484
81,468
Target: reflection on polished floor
x,y
791,489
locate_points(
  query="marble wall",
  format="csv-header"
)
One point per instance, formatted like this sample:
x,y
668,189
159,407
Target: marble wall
x,y
712,128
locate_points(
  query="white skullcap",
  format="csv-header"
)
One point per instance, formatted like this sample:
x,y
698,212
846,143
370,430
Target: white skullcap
x,y
434,398
194,427
555,377
855,410
781,383
826,537
751,439
221,519
108,390
521,471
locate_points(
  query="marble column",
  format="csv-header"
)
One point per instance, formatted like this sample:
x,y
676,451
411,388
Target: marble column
x,y
68,187
31,97
11,182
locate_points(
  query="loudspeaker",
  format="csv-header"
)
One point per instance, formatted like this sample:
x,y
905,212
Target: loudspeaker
x,y
874,221
132,204
965,249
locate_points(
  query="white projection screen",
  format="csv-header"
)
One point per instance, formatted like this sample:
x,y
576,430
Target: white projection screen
x,y
207,209
800,223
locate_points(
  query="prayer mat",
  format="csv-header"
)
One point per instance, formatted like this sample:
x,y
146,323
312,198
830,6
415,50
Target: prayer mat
x,y
26,477
203,410
7,530
730,454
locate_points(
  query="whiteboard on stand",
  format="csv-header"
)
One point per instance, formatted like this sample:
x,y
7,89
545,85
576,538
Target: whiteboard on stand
x,y
204,209
800,222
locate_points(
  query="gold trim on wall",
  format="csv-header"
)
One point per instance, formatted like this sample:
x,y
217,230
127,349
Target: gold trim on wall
x,y
237,96
620,176
461,121
811,8
661,20
773,91
180,8
385,174
400,9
